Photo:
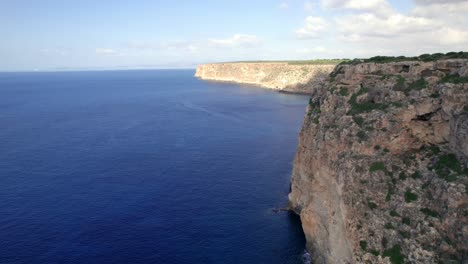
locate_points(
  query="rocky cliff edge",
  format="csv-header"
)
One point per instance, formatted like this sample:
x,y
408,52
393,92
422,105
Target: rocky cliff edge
x,y
380,173
280,76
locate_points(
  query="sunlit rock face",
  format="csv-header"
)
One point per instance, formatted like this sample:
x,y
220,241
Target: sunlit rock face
x,y
380,173
279,76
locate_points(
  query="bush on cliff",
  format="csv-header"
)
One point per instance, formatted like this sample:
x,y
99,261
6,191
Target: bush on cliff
x,y
454,78
394,254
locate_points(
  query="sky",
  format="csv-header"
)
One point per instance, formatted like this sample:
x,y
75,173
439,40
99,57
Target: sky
x,y
118,34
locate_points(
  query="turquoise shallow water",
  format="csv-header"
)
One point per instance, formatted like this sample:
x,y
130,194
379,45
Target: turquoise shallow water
x,y
145,167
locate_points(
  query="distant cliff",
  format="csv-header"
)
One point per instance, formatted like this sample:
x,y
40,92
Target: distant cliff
x,y
380,173
281,76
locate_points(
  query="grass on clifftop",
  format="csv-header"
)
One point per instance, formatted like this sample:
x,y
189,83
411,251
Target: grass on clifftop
x,y
299,62
423,57
317,62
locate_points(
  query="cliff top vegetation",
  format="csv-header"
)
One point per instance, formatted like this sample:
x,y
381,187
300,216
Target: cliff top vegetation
x,y
298,62
423,58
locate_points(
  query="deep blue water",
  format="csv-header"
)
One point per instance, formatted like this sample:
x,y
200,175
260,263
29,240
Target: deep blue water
x,y
145,167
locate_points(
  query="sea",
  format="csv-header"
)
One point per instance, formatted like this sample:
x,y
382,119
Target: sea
x,y
146,166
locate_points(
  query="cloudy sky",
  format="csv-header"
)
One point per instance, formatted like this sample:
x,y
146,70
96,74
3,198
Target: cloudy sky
x,y
110,34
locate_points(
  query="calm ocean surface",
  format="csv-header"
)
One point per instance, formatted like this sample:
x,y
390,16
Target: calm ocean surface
x,y
145,167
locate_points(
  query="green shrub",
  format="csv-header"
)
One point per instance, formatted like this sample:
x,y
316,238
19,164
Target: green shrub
x,y
425,185
314,107
364,107
363,245
416,175
372,205
423,57
377,166
389,226
431,57
454,78
394,213
401,81
315,62
448,167
405,234
429,212
374,252
418,85
384,242
316,120
434,149
402,176
361,135
394,254
390,193
344,91
410,197
406,221
401,85
358,120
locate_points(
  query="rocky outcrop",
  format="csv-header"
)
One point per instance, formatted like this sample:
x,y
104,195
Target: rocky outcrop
x,y
275,75
380,173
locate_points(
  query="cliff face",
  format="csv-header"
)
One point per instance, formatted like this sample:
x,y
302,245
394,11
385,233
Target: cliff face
x,y
278,76
380,173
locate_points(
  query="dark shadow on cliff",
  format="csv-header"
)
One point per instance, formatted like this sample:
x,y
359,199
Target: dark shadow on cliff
x,y
297,237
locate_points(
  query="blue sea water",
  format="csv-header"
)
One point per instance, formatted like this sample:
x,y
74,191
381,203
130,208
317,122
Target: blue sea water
x,y
145,167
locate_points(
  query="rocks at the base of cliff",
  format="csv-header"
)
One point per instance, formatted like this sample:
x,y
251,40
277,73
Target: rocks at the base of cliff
x,y
380,174
278,76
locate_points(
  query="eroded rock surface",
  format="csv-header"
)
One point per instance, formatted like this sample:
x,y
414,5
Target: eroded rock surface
x,y
380,173
279,76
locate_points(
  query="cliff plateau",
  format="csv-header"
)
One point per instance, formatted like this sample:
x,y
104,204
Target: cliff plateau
x,y
380,173
281,76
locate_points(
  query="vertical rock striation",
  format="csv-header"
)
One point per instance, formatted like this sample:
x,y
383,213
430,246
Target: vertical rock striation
x,y
380,173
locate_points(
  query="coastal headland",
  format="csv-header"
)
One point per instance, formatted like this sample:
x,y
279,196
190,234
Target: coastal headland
x,y
294,76
381,169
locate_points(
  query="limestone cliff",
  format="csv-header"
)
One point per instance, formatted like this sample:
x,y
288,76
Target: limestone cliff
x,y
274,75
380,173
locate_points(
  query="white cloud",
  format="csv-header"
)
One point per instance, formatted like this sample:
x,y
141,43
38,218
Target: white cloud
x,y
370,25
450,36
283,5
309,6
374,27
450,12
106,51
236,41
318,49
426,2
381,7
353,4
313,28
